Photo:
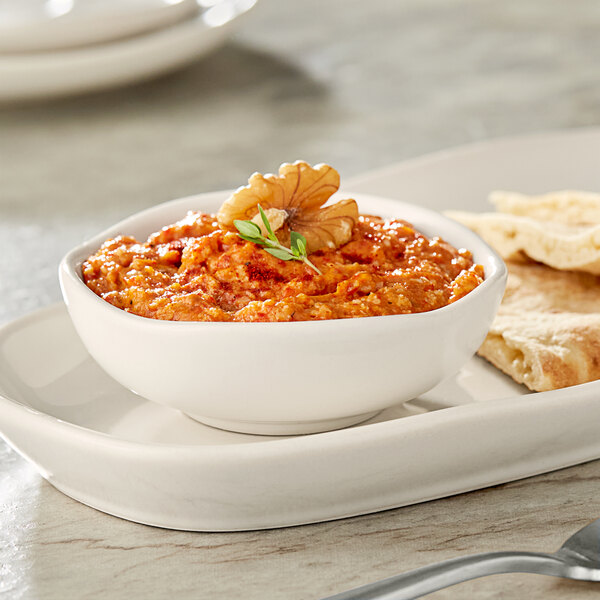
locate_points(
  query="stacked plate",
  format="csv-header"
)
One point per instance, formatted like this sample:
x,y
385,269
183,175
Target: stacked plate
x,y
57,47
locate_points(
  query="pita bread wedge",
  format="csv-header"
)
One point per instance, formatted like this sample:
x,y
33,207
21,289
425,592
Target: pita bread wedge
x,y
547,331
559,245
567,206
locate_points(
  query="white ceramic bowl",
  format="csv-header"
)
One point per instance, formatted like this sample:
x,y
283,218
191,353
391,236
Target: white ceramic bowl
x,y
283,378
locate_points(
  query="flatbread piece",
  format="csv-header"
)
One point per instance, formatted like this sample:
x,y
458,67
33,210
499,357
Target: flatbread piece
x,y
547,331
567,206
560,245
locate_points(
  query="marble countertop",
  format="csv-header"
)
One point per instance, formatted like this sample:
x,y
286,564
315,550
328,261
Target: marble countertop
x,y
358,85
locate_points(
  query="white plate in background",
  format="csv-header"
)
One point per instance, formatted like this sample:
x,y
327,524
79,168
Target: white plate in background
x,y
41,25
110,449
92,68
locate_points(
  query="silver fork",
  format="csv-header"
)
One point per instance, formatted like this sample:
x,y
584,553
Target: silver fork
x,y
577,558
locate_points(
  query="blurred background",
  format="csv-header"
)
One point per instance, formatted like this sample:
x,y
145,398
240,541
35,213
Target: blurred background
x,y
356,84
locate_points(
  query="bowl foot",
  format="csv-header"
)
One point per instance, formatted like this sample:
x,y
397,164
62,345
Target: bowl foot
x,y
283,427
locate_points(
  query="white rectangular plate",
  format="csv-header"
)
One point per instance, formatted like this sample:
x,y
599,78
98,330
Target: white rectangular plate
x,y
109,448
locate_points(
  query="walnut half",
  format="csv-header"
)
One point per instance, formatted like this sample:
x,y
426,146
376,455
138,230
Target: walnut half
x,y
295,198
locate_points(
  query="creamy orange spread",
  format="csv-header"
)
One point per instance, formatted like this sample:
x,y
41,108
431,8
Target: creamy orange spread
x,y
195,271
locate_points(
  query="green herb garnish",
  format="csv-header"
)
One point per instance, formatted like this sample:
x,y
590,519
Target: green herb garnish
x,y
251,232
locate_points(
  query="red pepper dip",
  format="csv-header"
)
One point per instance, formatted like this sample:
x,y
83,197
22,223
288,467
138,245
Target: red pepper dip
x,y
194,270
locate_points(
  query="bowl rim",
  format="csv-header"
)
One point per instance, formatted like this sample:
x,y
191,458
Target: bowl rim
x,y
70,266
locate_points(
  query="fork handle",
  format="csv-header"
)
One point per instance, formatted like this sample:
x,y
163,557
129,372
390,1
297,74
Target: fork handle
x,y
426,580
